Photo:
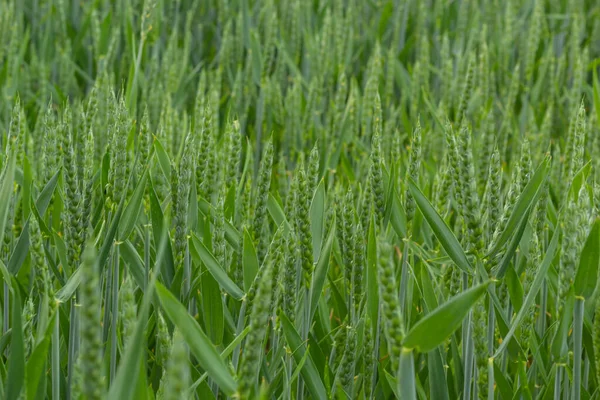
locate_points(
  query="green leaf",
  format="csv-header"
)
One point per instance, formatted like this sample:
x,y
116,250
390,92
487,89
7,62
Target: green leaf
x,y
65,293
559,347
163,158
398,216
512,247
212,307
61,249
440,229
579,180
108,243
530,297
20,251
428,292
104,171
16,361
26,187
134,262
133,209
406,375
231,233
43,200
199,344
525,201
372,285
249,261
6,191
596,95
435,327
124,385
5,274
587,272
158,229
438,387
277,212
317,219
321,269
309,371
224,354
37,361
201,254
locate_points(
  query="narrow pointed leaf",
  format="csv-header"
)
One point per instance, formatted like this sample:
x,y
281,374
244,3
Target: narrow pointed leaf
x,y
309,370
321,269
199,344
530,297
440,229
512,247
372,286
133,209
587,272
317,219
6,191
37,361
249,261
406,375
201,253
16,361
434,328
525,201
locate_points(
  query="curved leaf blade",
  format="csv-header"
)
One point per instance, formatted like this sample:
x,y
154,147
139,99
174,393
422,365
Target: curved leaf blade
x,y
440,229
434,328
530,297
204,351
249,261
309,370
526,200
587,272
200,252
133,209
321,269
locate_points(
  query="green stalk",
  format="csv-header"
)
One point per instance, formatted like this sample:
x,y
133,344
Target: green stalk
x,y
146,255
115,315
73,345
56,358
5,322
376,351
469,357
108,281
557,378
406,376
577,346
240,328
404,281
586,372
491,323
305,330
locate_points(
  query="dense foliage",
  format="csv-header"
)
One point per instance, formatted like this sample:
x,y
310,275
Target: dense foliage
x,y
299,199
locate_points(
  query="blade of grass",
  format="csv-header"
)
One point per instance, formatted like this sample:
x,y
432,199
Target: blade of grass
x,y
440,229
526,200
309,371
199,344
435,327
201,254
530,297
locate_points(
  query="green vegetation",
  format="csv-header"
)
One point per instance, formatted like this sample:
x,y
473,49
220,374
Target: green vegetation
x,y
299,199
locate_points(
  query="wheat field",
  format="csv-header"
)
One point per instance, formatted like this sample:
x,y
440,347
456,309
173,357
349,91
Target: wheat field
x,y
299,199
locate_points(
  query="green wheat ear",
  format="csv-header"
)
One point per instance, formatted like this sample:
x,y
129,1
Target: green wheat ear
x,y
390,305
90,330
251,357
